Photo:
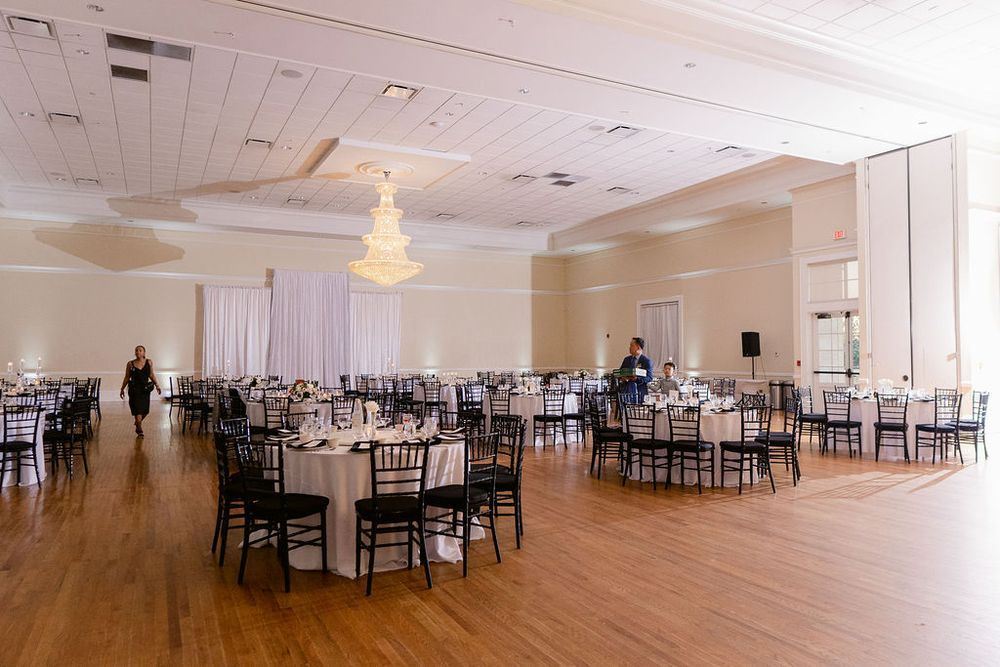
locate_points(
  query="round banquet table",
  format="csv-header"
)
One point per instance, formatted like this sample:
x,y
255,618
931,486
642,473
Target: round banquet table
x,y
255,410
529,405
448,394
716,427
344,476
28,476
865,410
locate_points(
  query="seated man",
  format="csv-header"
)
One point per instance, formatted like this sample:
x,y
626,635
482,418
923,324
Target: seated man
x,y
669,383
635,385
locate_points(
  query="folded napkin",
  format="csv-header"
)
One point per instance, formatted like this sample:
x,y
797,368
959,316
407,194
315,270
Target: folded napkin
x,y
312,444
281,438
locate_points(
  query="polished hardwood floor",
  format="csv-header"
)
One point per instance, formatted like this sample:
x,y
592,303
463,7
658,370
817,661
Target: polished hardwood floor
x,y
863,563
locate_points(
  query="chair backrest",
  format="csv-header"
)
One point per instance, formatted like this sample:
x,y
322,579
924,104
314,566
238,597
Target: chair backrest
x,y
945,391
640,420
293,420
21,423
275,409
980,405
361,383
47,399
470,397
237,427
793,412
755,421
805,395
754,398
500,401
891,407
224,405
947,406
341,407
262,468
398,469
510,431
685,422
237,406
837,405
699,389
345,382
432,391
596,406
481,462
554,401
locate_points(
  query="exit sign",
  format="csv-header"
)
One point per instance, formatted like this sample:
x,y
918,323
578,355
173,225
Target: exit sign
x,y
839,234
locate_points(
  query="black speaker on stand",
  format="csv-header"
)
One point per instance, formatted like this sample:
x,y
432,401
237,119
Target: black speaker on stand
x,y
751,348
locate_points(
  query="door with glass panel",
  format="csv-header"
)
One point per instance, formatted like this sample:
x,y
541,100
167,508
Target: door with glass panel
x,y
836,349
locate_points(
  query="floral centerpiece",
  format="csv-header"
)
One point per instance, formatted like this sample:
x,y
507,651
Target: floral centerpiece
x,y
302,391
257,382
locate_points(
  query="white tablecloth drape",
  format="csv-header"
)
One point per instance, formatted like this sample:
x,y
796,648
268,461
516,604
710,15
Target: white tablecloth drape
x,y
255,411
530,405
28,476
344,477
866,412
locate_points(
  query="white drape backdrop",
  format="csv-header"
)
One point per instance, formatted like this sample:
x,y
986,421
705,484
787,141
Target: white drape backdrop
x,y
310,326
375,330
659,324
236,328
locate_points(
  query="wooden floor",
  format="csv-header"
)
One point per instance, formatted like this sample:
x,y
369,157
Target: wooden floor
x,y
863,563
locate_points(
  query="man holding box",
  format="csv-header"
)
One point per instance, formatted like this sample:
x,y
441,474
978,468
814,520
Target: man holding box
x,y
636,370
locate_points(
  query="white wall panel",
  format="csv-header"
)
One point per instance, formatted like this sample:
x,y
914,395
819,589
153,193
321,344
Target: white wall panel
x,y
889,268
932,255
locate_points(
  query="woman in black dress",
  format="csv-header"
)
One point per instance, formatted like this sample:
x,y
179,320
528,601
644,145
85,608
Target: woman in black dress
x,y
140,380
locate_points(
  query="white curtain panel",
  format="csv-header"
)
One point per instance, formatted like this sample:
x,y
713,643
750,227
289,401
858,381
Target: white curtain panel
x,y
236,329
310,326
375,330
659,324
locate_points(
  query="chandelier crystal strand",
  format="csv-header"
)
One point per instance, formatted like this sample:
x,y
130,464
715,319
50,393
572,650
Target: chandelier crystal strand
x,y
386,262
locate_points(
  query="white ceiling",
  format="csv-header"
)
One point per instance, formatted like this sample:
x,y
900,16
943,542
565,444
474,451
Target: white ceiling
x,y
517,86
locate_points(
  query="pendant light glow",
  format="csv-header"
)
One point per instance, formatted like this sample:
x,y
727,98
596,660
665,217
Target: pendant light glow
x,y
386,262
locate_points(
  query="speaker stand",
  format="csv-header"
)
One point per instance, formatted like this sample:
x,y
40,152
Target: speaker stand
x,y
753,372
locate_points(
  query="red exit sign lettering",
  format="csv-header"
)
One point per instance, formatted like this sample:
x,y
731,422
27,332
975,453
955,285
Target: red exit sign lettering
x,y
839,234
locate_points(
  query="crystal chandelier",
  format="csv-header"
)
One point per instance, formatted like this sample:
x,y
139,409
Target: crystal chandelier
x,y
386,262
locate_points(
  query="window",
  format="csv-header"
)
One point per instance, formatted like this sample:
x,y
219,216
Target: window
x,y
833,281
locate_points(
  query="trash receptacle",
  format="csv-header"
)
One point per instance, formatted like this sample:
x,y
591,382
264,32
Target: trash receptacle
x,y
787,386
775,390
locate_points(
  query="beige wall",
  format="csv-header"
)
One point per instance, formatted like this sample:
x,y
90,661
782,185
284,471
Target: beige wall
x,y
732,276
81,296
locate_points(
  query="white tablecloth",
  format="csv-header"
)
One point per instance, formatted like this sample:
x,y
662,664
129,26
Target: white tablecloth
x,y
344,477
715,428
448,395
28,476
528,406
255,411
866,412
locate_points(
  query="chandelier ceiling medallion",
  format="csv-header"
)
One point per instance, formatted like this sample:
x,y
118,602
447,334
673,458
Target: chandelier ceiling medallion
x,y
386,262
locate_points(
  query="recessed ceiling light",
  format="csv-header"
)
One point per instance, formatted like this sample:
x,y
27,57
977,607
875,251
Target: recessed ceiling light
x,y
109,173
524,91
253,196
26,114
291,74
257,143
295,201
286,147
88,181
83,52
437,123
922,122
785,143
60,178
398,91
484,173
95,8
690,65
64,118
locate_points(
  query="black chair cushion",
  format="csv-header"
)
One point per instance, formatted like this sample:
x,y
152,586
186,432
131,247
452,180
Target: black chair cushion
x,y
390,508
452,496
937,428
776,438
234,487
573,415
648,443
16,446
890,426
967,425
814,417
297,505
754,447
842,423
548,418
505,482
609,434
691,446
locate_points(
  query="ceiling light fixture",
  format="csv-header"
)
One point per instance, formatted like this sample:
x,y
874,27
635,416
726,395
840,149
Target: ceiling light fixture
x,y
83,52
291,74
286,147
95,8
437,123
922,122
398,91
26,114
690,65
386,262
524,91
785,143
445,216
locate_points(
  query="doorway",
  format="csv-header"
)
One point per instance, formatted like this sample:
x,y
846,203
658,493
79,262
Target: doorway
x,y
836,338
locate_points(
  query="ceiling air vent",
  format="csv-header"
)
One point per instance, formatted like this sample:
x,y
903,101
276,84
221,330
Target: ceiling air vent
x,y
728,150
445,216
563,183
295,201
523,178
556,174
131,73
148,47
525,223
623,131
87,181
34,27
258,143
64,118
398,91
619,190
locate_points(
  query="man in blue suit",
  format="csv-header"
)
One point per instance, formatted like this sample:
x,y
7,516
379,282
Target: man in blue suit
x,y
636,384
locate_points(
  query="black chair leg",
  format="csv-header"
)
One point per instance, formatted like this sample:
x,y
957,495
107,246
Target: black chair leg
x,y
493,529
322,527
465,542
371,557
246,550
424,558
283,555
357,548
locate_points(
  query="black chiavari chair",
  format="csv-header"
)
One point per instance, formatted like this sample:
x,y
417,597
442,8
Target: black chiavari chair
x,y
643,448
553,408
973,430
20,433
751,450
609,441
891,425
685,442
840,422
944,430
510,431
811,422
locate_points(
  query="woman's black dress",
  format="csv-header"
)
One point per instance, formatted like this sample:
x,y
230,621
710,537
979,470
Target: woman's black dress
x,y
139,388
